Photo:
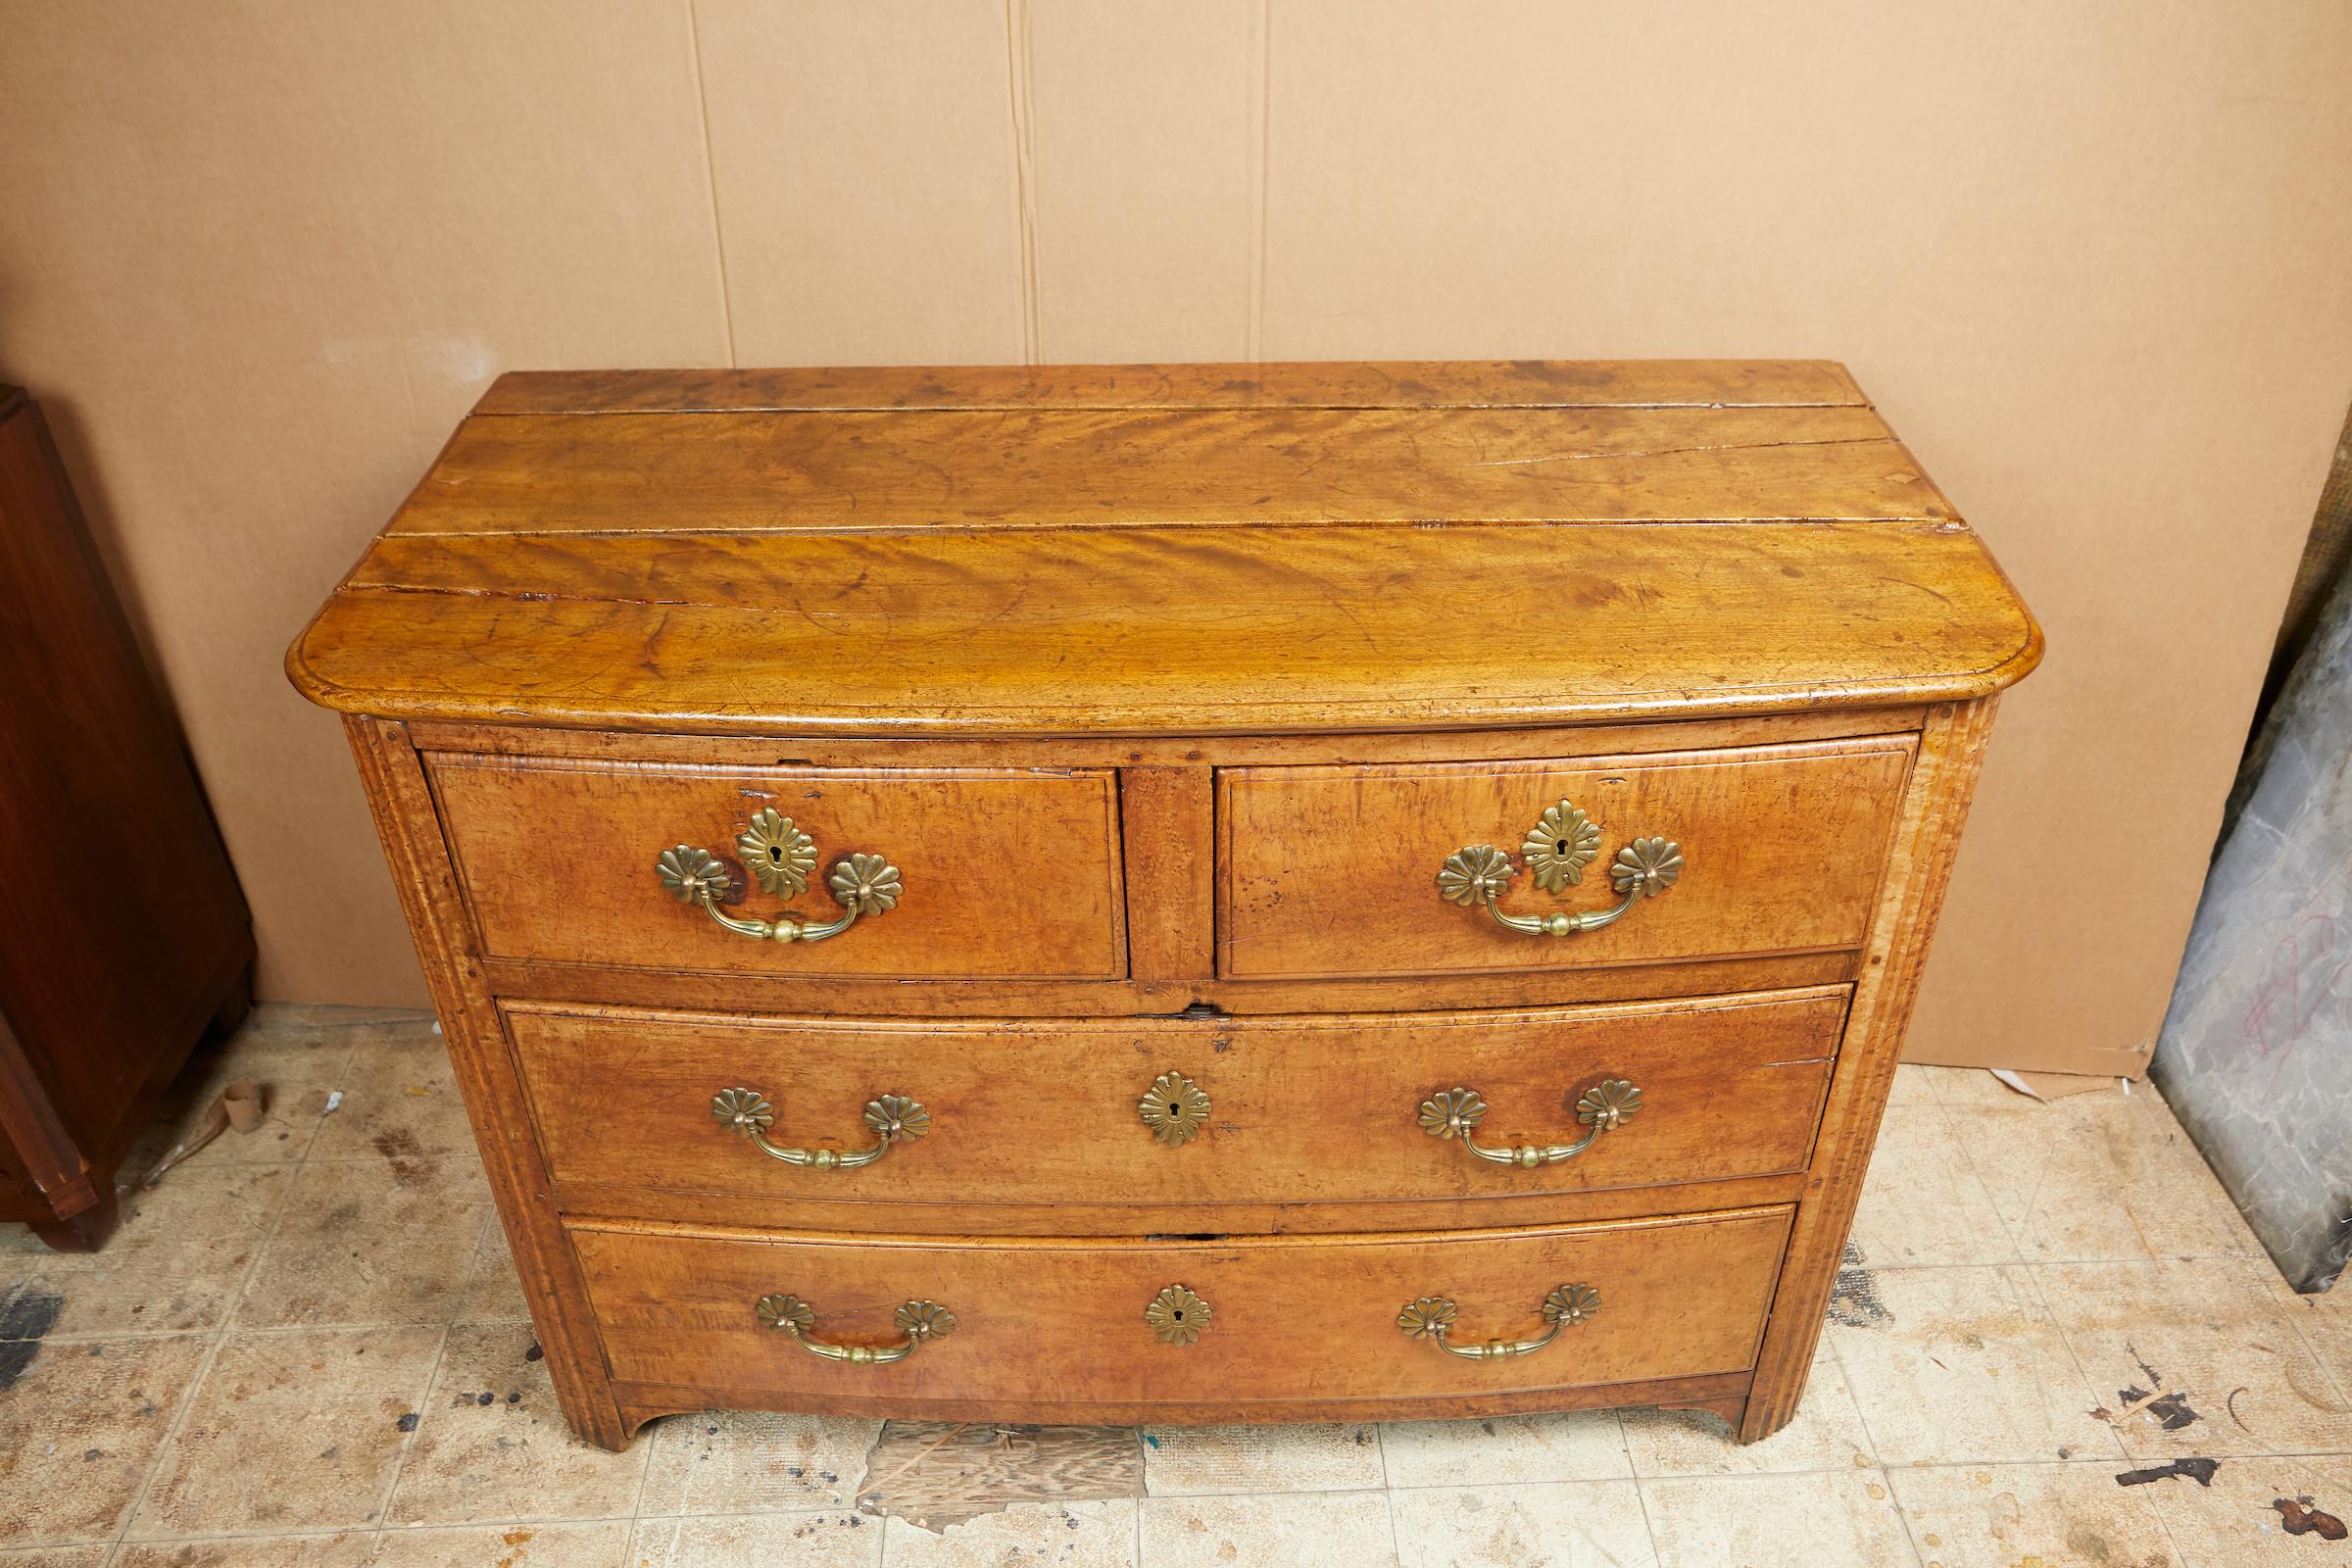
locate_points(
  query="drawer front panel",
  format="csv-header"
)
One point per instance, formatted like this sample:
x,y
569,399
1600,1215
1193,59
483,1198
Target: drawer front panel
x,y
1001,874
1334,871
1289,1319
1284,1110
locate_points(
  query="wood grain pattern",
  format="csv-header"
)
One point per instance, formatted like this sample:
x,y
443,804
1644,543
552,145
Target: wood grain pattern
x,y
402,802
1332,871
1165,814
1006,874
1098,1213
724,473
1188,631
1062,1321
1338,384
1132,752
1312,1113
1934,809
856,997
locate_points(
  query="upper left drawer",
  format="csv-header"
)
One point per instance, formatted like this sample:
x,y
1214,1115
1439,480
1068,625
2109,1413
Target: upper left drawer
x,y
998,875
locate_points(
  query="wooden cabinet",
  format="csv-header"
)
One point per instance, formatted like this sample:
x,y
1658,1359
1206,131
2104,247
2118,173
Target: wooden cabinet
x,y
1173,893
122,933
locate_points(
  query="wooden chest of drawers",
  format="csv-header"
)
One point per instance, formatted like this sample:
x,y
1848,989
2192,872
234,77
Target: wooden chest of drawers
x,y
1174,893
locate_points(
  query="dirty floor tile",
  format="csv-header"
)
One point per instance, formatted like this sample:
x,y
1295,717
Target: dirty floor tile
x,y
386,1241
1827,1519
604,1543
1585,1524
2227,1369
2325,1322
492,1444
1969,1086
290,1432
2099,1177
1578,1445
1996,1516
1182,1460
1825,1434
1295,1529
1067,1534
173,1266
1922,1200
400,1101
80,1424
739,1462
759,1540
2239,1519
338,1548
1912,1086
493,1290
1955,1365
296,1070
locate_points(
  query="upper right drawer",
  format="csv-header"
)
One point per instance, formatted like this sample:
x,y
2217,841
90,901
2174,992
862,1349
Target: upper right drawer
x,y
1402,870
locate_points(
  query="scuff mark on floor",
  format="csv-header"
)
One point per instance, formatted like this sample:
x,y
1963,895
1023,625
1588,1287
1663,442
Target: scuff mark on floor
x,y
2300,1518
25,1321
403,1153
1855,1299
2200,1470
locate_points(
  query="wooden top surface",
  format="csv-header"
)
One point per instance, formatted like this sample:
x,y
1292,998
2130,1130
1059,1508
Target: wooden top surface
x,y
1175,549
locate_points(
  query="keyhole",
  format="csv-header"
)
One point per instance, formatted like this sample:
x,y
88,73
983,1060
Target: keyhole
x,y
1560,848
1179,1314
775,853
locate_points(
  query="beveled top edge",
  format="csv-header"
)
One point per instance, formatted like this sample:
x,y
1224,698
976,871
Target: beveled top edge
x,y
1299,384
413,637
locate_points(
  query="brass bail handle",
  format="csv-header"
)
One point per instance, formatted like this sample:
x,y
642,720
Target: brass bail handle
x,y
1603,1108
892,1119
1557,848
780,857
1431,1318
920,1321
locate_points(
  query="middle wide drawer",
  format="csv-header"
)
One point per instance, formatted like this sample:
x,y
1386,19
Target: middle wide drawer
x,y
1093,1126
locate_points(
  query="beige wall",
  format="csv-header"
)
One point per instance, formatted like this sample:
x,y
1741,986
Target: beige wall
x,y
2092,258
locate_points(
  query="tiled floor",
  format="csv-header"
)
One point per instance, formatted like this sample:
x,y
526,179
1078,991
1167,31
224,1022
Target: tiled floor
x,y
305,1349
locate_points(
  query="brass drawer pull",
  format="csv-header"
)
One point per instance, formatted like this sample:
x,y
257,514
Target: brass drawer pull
x,y
893,1119
1604,1107
1557,848
780,857
1431,1318
917,1321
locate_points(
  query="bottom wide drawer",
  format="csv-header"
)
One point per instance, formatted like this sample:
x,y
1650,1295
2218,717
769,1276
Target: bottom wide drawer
x,y
977,1326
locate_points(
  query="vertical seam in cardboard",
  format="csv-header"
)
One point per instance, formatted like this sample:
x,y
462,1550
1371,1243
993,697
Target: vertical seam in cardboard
x,y
1257,237
1021,110
719,234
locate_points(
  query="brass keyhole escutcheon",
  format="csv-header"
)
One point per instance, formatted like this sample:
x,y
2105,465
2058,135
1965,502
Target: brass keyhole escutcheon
x,y
1175,1109
1177,1316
